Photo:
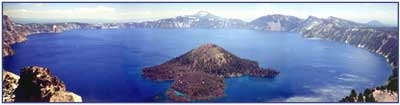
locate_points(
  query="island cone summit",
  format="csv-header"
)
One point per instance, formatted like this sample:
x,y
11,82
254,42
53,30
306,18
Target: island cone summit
x,y
208,58
199,74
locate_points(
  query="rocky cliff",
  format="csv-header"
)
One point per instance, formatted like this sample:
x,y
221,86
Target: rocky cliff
x,y
379,94
10,83
199,73
35,84
381,40
12,33
16,33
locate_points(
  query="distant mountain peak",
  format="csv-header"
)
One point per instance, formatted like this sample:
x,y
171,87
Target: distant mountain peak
x,y
274,16
332,18
203,13
313,17
375,23
339,22
336,18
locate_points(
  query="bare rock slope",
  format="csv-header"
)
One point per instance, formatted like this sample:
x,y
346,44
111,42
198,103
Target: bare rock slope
x,y
36,84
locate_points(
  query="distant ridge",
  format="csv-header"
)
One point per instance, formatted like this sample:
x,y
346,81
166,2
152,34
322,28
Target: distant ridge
x,y
375,23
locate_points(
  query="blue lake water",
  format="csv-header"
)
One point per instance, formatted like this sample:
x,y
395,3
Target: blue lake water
x,y
106,65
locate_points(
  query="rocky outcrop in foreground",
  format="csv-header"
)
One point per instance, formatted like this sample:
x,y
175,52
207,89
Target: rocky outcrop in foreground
x,y
385,96
36,84
199,73
379,94
10,83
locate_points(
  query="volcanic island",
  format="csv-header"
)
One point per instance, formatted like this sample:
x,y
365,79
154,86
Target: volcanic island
x,y
199,74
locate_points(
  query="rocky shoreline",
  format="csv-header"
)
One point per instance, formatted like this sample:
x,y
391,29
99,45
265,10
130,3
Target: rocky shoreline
x,y
35,84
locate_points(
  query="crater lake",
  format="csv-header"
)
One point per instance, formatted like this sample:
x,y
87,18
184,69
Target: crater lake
x,y
106,65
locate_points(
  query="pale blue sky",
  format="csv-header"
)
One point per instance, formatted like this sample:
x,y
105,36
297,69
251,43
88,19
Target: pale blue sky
x,y
125,12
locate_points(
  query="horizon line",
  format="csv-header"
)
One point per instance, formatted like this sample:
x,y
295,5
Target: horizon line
x,y
155,19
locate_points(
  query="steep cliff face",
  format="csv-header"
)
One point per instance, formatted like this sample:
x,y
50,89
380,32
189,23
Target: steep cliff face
x,y
54,27
37,84
12,33
15,33
381,40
